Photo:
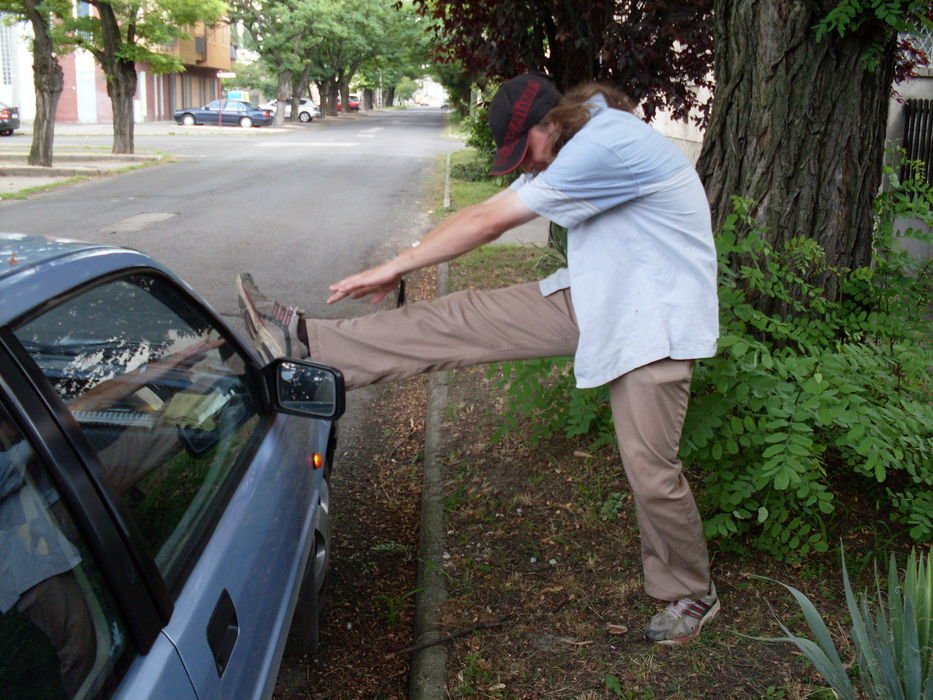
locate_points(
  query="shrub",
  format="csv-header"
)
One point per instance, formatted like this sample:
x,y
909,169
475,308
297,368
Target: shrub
x,y
796,402
479,137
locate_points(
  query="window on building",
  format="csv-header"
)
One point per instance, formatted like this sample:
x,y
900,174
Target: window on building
x,y
923,40
6,54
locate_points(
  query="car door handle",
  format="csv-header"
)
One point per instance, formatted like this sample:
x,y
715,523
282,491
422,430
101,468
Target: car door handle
x,y
222,631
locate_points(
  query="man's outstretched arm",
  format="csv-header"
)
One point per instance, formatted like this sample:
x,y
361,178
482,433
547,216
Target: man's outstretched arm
x,y
469,228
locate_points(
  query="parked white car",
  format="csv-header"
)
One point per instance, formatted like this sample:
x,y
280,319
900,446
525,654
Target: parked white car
x,y
307,110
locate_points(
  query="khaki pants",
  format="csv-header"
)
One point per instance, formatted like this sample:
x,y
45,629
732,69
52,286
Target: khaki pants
x,y
56,606
518,323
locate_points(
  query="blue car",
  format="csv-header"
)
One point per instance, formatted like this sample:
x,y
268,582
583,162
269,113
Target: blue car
x,y
164,497
226,113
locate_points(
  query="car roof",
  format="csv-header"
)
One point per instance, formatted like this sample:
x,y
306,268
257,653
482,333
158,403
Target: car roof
x,y
36,269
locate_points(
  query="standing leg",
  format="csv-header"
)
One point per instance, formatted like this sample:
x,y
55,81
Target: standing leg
x,y
57,607
648,408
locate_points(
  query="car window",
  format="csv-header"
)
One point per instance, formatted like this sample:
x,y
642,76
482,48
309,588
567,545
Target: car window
x,y
232,106
163,398
215,105
60,636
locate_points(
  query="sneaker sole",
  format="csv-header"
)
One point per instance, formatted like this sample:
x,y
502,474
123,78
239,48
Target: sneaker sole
x,y
713,612
247,295
256,333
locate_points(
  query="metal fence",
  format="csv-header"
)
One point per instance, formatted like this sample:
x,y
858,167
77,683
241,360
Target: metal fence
x,y
918,138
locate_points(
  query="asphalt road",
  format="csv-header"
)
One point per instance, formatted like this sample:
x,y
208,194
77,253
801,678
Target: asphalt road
x,y
299,208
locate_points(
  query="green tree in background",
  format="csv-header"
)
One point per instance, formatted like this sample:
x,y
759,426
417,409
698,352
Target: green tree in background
x,y
49,41
122,33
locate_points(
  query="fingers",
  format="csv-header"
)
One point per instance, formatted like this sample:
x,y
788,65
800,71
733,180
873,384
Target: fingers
x,y
342,290
378,282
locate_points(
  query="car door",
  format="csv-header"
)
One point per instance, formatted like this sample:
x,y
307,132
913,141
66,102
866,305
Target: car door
x,y
233,110
211,113
63,632
170,414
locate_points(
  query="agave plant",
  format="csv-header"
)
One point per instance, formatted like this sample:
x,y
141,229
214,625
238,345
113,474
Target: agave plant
x,y
891,632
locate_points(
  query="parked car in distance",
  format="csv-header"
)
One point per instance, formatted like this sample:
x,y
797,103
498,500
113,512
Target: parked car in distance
x,y
307,110
225,113
9,119
353,102
164,496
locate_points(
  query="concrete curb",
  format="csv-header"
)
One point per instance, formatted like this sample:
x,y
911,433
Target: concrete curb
x,y
428,677
13,164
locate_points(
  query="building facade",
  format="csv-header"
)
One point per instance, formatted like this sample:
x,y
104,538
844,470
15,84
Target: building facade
x,y
84,98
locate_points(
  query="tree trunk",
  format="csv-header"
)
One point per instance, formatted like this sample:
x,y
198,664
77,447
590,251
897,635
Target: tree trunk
x,y
282,96
345,96
48,79
121,78
324,98
299,87
389,98
332,96
797,125
121,86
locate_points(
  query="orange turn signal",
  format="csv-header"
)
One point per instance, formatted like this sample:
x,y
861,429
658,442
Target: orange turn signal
x,y
316,461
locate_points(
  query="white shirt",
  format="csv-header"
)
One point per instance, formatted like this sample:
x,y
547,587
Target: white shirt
x,y
641,263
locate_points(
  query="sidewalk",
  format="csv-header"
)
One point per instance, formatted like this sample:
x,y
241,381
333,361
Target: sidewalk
x,y
69,160
74,160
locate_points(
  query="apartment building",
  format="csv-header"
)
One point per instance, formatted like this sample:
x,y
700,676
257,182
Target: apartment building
x,y
207,52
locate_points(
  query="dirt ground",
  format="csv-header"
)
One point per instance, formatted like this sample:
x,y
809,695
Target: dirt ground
x,y
541,558
376,496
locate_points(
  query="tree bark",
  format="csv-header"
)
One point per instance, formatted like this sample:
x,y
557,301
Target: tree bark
x,y
121,86
299,89
324,97
121,77
48,79
281,97
333,92
797,125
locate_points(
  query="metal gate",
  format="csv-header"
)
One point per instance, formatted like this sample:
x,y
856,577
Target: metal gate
x,y
918,138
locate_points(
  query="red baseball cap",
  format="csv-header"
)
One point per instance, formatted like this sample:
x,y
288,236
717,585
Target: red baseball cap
x,y
519,104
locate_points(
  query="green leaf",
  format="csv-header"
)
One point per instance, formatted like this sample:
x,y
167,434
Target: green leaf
x,y
613,684
782,481
774,450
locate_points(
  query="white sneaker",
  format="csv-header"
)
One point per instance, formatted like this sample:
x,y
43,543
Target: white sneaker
x,y
683,620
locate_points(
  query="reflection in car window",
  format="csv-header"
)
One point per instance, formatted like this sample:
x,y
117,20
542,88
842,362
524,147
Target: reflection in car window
x,y
161,396
215,105
59,634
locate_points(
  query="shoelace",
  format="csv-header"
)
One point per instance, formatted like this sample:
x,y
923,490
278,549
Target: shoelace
x,y
677,609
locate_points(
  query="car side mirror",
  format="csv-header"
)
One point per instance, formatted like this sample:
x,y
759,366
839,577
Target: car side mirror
x,y
305,388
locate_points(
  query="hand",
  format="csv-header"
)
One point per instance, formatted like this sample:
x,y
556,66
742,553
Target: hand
x,y
378,281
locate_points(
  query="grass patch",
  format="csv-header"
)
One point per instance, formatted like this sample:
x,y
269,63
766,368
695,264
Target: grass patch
x,y
494,266
465,190
26,192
